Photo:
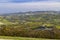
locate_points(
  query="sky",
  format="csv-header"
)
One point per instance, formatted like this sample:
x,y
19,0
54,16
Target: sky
x,y
11,6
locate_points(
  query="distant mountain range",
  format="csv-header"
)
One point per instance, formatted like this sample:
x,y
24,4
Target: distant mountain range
x,y
31,13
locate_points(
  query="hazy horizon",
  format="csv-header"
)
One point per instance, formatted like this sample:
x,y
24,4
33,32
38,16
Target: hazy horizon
x,y
11,6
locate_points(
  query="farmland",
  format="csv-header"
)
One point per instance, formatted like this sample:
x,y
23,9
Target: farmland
x,y
31,24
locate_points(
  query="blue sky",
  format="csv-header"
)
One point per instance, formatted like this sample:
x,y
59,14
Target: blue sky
x,y
20,1
7,6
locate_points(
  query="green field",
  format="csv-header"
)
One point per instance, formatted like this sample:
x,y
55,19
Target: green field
x,y
22,38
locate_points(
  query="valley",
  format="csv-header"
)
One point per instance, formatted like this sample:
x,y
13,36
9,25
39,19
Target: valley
x,y
39,24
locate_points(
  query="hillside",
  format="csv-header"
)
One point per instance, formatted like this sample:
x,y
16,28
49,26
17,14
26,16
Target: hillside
x,y
39,24
41,17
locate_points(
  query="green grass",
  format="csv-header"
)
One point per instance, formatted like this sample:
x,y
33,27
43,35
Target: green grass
x,y
22,38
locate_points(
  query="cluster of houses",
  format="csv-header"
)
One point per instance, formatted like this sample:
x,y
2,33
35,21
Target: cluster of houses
x,y
44,28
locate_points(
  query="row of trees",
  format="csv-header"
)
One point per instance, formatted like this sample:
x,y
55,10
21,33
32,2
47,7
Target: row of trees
x,y
18,31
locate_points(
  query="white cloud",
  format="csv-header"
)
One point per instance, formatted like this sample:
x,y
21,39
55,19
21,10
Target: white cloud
x,y
4,1
32,6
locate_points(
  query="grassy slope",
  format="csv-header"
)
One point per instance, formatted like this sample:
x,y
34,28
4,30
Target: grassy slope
x,y
22,38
